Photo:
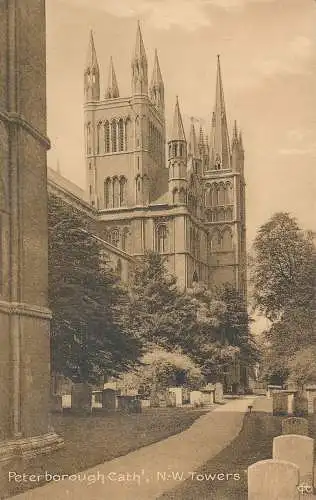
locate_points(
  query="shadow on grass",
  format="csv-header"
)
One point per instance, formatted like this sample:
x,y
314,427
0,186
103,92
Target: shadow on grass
x,y
98,438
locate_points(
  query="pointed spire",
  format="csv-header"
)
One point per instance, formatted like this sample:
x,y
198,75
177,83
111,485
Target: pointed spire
x,y
139,65
235,134
156,79
92,60
193,146
91,73
139,52
112,90
177,129
157,91
241,145
220,146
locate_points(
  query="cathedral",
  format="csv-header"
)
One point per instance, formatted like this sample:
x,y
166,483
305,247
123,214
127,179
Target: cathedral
x,y
183,195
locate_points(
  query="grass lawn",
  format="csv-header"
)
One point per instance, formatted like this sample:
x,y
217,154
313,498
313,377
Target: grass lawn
x,y
254,443
90,441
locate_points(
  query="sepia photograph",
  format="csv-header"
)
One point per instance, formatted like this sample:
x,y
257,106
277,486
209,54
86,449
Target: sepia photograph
x,y
157,249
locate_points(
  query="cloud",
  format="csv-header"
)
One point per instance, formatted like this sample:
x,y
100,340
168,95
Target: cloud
x,y
310,151
162,14
287,60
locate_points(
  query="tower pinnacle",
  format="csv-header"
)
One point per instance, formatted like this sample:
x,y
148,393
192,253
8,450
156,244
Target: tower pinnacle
x,y
220,147
112,90
157,91
177,128
139,65
92,73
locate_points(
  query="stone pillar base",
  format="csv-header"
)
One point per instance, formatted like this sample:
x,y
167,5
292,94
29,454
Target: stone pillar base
x,y
30,447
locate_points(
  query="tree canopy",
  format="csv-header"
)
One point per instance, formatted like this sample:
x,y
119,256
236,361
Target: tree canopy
x,y
283,279
87,341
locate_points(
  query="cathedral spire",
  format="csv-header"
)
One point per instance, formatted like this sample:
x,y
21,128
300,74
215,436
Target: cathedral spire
x,y
220,147
235,134
157,90
92,73
193,146
139,65
177,128
112,90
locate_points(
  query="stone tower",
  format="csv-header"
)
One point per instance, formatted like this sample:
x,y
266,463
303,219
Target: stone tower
x,y
177,157
24,314
124,136
224,191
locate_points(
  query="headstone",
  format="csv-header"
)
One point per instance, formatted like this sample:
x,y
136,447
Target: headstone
x,y
170,399
196,398
129,404
300,405
177,391
295,425
97,399
290,403
311,397
300,451
81,398
108,399
145,403
56,404
280,403
273,480
272,389
66,401
219,393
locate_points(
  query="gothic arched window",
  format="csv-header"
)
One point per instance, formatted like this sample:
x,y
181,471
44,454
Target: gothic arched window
x,y
221,194
161,238
195,277
114,136
122,191
115,237
89,139
99,138
175,196
124,238
116,192
121,135
107,137
127,134
227,239
182,196
107,192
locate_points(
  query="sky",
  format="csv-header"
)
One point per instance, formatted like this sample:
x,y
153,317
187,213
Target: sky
x,y
268,60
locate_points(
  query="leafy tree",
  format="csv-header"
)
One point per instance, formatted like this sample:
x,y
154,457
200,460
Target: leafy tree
x,y
283,267
283,278
302,367
158,311
85,297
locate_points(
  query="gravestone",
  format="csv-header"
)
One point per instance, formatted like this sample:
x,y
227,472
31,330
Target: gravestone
x,y
129,404
280,403
145,403
271,389
273,480
81,398
219,393
97,399
108,399
196,398
298,450
300,405
66,401
311,397
177,391
295,425
170,399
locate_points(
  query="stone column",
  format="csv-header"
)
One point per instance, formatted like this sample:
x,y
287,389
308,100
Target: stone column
x,y
24,313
